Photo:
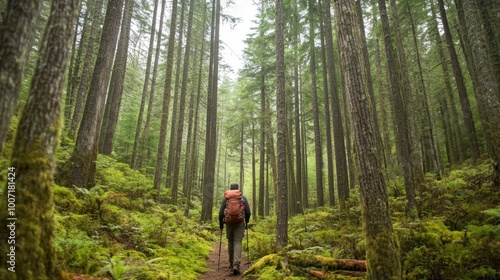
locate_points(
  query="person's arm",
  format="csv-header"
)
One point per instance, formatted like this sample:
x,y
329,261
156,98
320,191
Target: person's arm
x,y
221,213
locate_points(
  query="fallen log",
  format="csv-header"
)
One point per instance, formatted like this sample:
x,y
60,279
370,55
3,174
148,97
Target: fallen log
x,y
307,260
328,275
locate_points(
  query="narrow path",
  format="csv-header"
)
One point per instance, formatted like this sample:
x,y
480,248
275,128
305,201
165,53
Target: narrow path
x,y
224,272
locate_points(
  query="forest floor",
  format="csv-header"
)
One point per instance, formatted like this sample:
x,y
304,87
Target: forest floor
x,y
224,272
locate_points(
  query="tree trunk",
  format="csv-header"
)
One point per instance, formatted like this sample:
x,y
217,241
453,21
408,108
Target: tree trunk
x,y
74,67
262,140
430,122
328,132
117,82
382,254
149,115
182,105
83,160
297,105
171,161
400,115
211,121
488,94
462,91
16,39
409,102
318,149
456,151
166,101
30,177
338,132
369,80
133,158
83,86
281,195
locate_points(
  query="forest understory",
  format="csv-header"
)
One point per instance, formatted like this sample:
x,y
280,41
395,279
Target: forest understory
x,y
116,230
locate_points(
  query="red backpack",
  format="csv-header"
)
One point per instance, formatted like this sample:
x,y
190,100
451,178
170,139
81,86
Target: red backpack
x,y
235,207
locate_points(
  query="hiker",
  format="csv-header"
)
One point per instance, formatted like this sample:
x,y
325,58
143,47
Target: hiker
x,y
235,213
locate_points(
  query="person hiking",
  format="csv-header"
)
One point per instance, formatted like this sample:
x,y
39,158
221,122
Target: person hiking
x,y
235,213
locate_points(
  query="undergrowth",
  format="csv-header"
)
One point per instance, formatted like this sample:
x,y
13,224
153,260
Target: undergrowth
x,y
116,229
457,235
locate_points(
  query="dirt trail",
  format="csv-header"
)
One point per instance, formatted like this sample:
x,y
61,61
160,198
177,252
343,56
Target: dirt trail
x,y
224,272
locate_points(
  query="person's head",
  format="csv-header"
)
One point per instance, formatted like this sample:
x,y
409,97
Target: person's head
x,y
234,186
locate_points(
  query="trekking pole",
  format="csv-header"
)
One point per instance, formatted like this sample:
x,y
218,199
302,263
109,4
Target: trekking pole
x,y
248,251
220,245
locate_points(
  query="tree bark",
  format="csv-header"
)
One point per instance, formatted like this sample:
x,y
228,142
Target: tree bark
x,y
108,127
34,155
83,86
133,158
382,254
166,101
16,38
282,194
338,132
462,91
400,114
318,148
328,126
83,160
211,122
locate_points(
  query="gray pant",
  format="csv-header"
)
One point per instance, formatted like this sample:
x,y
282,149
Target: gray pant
x,y
235,234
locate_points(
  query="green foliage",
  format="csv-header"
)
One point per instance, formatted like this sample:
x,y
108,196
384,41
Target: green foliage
x,y
115,267
119,231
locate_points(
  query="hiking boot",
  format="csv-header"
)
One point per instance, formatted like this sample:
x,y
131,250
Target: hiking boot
x,y
236,269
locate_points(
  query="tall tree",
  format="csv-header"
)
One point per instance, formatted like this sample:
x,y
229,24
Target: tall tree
x,y
488,94
382,253
180,124
16,38
456,146
282,194
149,113
116,87
166,100
338,132
34,155
328,130
423,89
462,90
211,121
82,163
400,114
81,95
146,82
318,149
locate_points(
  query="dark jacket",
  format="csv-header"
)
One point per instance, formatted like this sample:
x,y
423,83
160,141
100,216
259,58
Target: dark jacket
x,y
223,206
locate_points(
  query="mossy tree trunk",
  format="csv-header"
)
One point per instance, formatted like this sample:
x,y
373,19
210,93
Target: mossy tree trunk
x,y
16,37
338,132
33,156
382,252
282,194
83,85
401,127
116,88
328,130
211,120
318,148
488,87
83,160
